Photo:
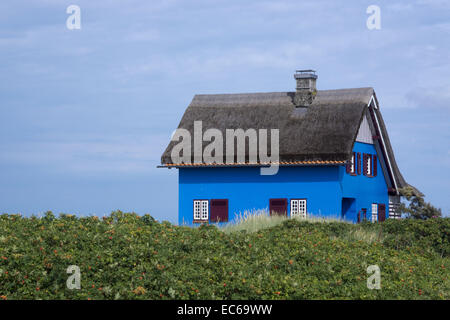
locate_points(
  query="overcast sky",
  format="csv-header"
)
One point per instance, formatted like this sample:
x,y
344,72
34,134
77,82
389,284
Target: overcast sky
x,y
86,114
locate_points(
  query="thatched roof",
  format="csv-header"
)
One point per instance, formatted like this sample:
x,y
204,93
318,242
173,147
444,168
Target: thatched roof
x,y
323,132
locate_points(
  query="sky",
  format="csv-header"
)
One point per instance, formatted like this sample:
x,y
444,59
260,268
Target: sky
x,y
85,114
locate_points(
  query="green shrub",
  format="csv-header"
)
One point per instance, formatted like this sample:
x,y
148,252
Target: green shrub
x,y
432,235
125,256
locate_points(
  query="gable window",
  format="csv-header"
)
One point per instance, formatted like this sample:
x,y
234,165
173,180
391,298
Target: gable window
x,y
369,165
374,212
298,208
201,211
352,164
219,210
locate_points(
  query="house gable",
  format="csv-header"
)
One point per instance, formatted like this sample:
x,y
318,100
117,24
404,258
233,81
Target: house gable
x,y
372,130
382,145
364,133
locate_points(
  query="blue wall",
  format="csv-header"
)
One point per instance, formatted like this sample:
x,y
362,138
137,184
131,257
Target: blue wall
x,y
322,186
365,190
246,189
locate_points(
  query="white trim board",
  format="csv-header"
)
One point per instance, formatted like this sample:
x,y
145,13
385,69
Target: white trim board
x,y
383,143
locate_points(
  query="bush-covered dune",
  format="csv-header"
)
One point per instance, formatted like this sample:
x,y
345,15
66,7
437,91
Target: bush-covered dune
x,y
126,256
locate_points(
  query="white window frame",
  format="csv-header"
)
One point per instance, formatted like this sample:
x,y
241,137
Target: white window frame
x,y
298,208
369,165
201,210
352,166
374,212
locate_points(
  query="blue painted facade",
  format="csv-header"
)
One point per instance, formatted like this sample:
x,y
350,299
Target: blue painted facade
x,y
329,190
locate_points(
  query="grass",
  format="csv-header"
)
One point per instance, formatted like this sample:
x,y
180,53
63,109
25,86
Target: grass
x,y
256,220
360,234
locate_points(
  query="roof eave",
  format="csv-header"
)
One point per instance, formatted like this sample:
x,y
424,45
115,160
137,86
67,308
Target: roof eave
x,y
236,165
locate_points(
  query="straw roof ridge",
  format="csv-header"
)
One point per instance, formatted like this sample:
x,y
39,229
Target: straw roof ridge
x,y
324,131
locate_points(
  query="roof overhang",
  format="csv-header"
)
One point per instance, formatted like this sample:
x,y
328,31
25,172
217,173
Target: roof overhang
x,y
382,144
268,164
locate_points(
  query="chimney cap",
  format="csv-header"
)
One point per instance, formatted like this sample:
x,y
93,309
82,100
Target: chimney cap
x,y
307,73
305,70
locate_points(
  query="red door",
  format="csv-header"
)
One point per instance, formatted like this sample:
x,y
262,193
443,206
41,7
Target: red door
x,y
219,210
278,206
381,212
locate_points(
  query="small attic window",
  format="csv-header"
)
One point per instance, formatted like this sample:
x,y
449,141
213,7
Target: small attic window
x,y
370,165
352,164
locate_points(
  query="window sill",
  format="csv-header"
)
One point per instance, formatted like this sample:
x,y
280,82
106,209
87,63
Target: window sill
x,y
200,221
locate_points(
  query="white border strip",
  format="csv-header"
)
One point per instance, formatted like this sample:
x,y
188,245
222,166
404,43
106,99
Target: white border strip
x,y
384,144
374,102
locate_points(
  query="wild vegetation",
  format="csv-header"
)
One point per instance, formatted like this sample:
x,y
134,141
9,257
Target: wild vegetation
x,y
126,256
416,206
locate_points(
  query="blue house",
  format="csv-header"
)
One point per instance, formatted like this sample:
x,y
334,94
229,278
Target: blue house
x,y
330,155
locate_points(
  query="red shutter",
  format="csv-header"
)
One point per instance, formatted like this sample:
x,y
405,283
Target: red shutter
x,y
348,167
364,164
219,210
381,212
278,206
358,162
359,216
374,165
